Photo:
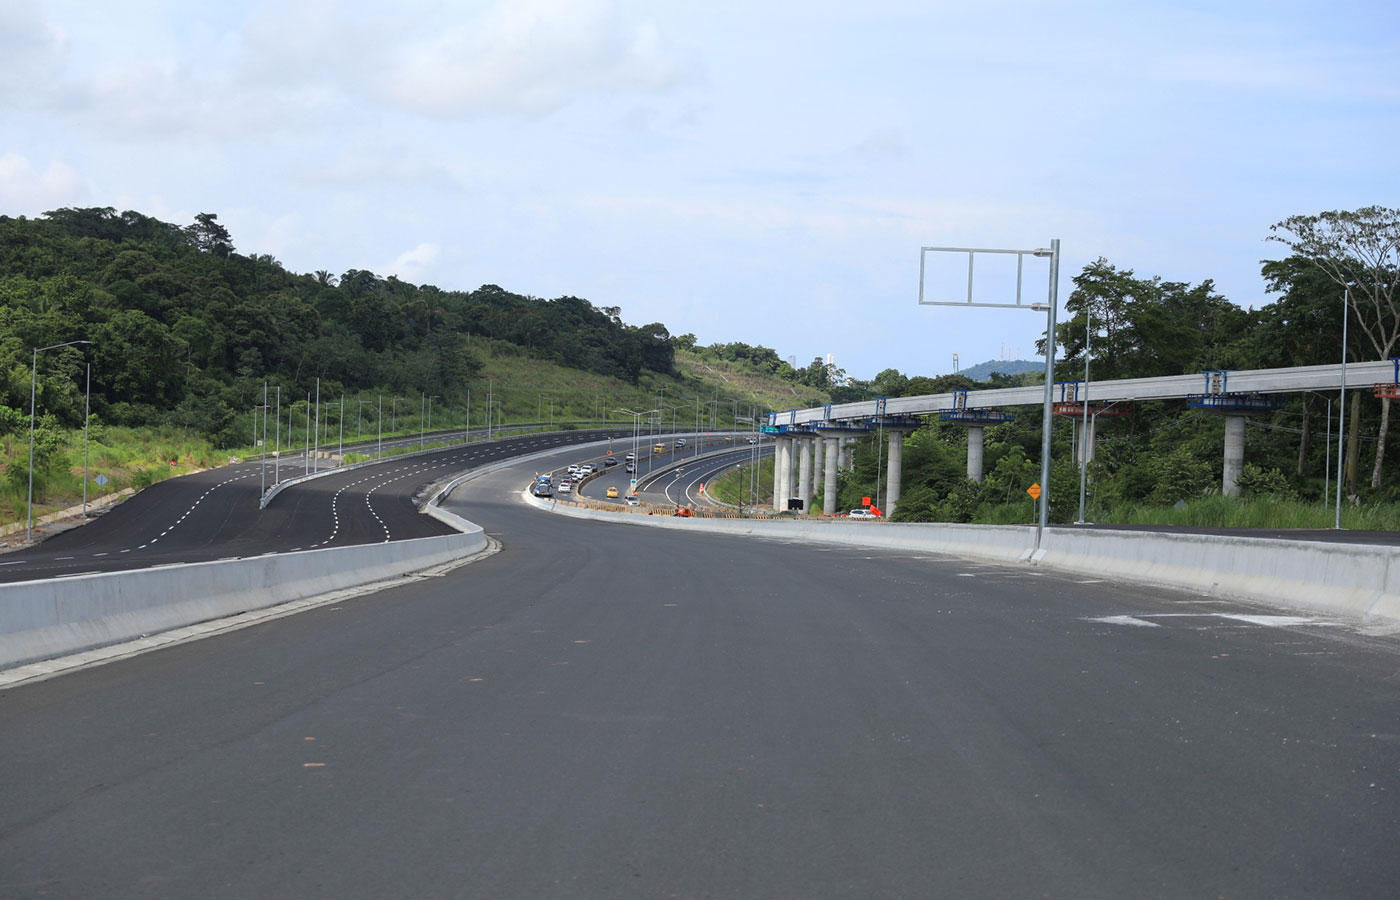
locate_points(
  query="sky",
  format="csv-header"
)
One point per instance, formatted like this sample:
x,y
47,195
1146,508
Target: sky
x,y
764,172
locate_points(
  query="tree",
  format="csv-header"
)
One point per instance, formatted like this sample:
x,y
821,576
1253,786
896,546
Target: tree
x,y
208,236
1360,252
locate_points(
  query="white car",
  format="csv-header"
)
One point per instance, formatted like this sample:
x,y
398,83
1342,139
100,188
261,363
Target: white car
x,y
565,487
861,514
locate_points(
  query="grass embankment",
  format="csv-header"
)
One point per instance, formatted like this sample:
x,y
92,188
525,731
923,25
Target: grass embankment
x,y
127,457
736,379
735,486
1213,512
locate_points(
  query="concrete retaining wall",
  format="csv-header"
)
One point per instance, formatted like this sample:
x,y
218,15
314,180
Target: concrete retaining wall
x,y
1353,579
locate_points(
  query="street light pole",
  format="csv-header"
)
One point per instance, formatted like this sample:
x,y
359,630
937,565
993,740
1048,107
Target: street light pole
x,y
1342,406
315,461
87,418
1084,430
33,394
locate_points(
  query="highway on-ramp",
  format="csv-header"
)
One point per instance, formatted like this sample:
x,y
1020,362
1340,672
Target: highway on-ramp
x,y
606,710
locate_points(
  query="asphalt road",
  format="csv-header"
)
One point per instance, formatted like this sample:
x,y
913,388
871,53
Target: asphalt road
x,y
610,711
214,514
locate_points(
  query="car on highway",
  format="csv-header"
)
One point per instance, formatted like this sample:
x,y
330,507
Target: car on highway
x,y
861,514
680,442
609,462
632,500
587,469
631,467
565,487
631,457
612,493
658,448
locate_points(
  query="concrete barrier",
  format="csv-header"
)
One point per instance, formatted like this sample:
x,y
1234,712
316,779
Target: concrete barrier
x,y
44,619
1359,580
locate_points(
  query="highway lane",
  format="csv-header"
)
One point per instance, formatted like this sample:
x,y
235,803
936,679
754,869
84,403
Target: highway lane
x,y
684,486
214,514
604,710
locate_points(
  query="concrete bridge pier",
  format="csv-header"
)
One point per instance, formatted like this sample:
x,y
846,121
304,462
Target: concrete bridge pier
x,y
894,482
804,472
1234,456
833,449
975,436
782,468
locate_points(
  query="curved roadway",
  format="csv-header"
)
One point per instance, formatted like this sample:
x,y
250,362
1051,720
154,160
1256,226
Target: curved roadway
x,y
610,710
214,514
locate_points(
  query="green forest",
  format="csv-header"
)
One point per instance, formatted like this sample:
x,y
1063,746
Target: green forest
x,y
182,332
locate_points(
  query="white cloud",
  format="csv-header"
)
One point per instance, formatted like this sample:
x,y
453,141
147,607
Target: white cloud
x,y
32,52
528,57
412,265
27,192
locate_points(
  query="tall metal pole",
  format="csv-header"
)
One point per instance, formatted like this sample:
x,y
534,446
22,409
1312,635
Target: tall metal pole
x,y
315,461
467,432
33,383
87,418
422,432
277,455
306,466
342,428
490,399
379,416
1047,420
1342,408
1084,426
262,468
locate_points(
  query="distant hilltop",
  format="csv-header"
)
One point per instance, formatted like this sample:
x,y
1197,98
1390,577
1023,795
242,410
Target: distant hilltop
x,y
984,371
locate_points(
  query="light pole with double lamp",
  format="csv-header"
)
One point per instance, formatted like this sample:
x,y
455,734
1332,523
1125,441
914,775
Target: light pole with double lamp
x,y
33,393
636,432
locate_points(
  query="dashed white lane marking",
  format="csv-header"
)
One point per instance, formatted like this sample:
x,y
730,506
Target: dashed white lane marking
x,y
1126,620
1267,621
1272,621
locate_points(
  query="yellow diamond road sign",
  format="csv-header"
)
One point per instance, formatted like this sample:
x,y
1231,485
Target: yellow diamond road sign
x,y
1034,491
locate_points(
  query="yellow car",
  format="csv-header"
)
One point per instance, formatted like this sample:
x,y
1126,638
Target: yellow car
x,y
612,493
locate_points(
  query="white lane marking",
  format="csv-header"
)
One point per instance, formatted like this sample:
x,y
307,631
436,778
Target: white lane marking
x,y
18,562
1272,621
1126,620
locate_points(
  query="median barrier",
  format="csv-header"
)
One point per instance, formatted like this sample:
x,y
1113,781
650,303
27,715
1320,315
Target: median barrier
x,y
1359,580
